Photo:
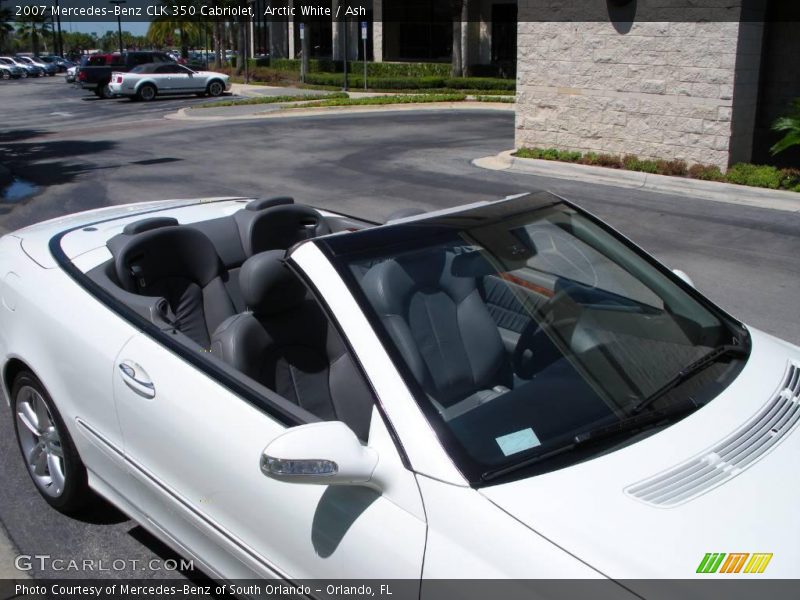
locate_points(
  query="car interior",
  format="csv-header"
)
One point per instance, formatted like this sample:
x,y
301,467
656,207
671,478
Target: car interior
x,y
222,286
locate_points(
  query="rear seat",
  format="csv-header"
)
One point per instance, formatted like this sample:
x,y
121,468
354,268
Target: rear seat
x,y
195,267
264,224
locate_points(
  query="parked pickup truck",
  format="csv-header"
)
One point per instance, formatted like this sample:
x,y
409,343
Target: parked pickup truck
x,y
97,78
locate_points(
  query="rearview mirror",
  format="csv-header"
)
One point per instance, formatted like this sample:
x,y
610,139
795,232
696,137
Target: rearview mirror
x,y
327,453
683,276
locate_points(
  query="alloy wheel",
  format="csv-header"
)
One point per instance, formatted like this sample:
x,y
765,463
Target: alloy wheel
x,y
40,441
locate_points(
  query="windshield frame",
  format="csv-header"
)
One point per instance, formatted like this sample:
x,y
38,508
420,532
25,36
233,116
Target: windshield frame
x,y
340,249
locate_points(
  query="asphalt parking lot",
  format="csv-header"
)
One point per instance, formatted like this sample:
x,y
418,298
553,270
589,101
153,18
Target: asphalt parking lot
x,y
78,153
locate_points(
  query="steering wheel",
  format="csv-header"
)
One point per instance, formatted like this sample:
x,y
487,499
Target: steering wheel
x,y
535,350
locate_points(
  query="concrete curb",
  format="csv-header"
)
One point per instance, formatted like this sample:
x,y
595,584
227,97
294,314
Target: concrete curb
x,y
189,114
706,190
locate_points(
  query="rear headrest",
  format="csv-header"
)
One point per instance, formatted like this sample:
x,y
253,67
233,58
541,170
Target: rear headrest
x,y
171,251
278,227
268,286
148,224
262,203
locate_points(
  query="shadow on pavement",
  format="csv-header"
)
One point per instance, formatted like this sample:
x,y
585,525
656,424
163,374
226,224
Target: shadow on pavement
x,y
15,135
34,162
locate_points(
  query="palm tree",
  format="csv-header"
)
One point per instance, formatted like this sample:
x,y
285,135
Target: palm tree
x,y
790,126
460,14
162,29
6,29
34,28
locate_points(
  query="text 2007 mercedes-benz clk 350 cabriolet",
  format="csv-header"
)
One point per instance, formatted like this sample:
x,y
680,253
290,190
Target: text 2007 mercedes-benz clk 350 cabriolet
x,y
506,389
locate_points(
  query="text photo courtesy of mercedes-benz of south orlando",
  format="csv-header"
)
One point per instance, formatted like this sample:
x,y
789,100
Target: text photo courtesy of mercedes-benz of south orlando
x,y
430,299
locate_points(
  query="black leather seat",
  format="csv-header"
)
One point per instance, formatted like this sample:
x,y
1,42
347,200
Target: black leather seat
x,y
181,265
443,329
270,226
287,344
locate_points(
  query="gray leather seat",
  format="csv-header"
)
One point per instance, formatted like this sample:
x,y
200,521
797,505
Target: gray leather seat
x,y
179,264
277,226
287,344
442,328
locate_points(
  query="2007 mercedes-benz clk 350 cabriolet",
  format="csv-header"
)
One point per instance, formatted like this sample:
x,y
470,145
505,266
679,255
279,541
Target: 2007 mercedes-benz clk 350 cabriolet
x,y
507,389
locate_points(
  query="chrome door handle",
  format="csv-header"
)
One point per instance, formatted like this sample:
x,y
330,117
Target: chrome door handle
x,y
137,379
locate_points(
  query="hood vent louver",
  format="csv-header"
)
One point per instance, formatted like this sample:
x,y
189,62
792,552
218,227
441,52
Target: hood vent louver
x,y
730,456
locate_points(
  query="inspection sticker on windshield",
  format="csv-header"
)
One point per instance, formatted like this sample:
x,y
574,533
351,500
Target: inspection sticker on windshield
x,y
518,441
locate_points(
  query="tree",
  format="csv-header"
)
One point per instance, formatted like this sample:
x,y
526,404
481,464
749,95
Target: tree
x,y
459,9
790,127
6,29
162,29
34,28
76,42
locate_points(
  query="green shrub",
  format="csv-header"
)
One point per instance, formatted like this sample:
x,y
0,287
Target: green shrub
x,y
790,179
676,168
706,172
754,175
606,160
480,83
356,79
374,69
634,163
548,154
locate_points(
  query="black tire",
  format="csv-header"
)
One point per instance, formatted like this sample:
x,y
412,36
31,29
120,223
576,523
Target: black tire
x,y
147,92
215,88
6,74
24,74
103,92
75,493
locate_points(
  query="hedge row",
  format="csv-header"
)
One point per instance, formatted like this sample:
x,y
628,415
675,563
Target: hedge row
x,y
763,176
374,69
413,83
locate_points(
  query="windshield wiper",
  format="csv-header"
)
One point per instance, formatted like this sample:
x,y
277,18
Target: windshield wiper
x,y
691,370
598,434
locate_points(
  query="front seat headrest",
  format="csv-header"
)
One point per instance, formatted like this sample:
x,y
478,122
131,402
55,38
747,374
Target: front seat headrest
x,y
166,252
278,227
268,286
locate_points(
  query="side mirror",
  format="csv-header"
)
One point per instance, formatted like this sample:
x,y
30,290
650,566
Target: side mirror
x,y
327,453
683,276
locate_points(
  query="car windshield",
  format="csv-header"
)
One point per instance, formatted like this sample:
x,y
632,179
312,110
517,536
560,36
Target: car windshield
x,y
522,326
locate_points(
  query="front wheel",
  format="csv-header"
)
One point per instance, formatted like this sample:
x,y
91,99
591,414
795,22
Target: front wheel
x,y
215,88
46,446
147,92
24,75
6,75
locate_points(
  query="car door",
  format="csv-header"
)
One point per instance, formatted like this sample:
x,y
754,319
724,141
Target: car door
x,y
166,80
188,80
195,448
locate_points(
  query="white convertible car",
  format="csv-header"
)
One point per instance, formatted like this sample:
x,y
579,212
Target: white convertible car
x,y
509,389
147,81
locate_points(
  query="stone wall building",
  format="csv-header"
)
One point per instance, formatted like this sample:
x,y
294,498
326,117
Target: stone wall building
x,y
661,89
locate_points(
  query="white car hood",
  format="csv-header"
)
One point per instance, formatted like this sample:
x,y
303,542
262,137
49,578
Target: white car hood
x,y
586,510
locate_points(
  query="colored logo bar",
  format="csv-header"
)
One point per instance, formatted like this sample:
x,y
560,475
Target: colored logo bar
x,y
734,562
